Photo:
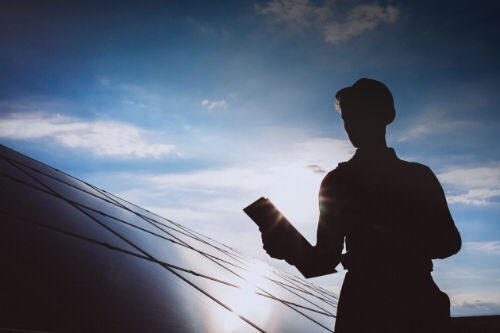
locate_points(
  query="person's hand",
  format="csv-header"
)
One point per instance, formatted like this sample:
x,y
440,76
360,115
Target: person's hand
x,y
278,241
273,243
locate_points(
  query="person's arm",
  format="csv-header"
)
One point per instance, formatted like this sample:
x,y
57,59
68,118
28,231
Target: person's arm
x,y
322,258
443,238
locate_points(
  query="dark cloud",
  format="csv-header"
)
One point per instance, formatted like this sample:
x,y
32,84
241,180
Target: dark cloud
x,y
316,168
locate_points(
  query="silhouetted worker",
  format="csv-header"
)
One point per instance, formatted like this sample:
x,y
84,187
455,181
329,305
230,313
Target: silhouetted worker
x,y
394,218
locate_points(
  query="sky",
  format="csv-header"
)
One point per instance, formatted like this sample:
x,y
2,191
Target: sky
x,y
196,109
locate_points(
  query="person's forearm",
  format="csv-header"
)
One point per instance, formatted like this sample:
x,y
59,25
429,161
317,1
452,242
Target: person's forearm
x,y
312,261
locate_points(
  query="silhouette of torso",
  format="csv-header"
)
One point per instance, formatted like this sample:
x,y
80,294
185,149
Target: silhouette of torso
x,y
394,217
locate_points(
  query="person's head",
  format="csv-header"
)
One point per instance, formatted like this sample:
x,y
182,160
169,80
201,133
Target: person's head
x,y
367,107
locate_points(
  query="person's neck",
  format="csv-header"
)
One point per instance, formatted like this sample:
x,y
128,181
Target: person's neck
x,y
374,145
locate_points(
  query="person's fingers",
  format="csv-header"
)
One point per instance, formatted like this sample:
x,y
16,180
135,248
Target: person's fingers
x,y
273,243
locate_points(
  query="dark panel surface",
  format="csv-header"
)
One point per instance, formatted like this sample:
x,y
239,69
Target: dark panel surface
x,y
78,259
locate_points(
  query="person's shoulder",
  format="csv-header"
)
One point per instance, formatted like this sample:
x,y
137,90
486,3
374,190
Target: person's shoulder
x,y
415,166
417,171
337,173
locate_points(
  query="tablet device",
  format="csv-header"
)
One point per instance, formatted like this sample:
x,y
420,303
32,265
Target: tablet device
x,y
264,214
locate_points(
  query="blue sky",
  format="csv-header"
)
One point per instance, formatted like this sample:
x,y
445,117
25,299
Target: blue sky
x,y
195,109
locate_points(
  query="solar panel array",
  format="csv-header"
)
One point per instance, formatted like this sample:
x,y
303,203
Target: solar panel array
x,y
81,259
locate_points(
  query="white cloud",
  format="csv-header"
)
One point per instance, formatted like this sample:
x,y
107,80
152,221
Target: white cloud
x,y
213,104
475,307
361,18
211,200
446,116
477,186
490,247
434,123
103,138
295,12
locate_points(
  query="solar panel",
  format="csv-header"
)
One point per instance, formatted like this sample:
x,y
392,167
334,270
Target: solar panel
x,y
77,258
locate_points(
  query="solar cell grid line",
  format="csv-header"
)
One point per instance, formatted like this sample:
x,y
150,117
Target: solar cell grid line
x,y
196,239
281,284
299,305
162,263
288,305
90,208
304,283
263,293
328,294
319,293
22,165
176,240
303,314
149,219
72,234
85,187
197,236
52,194
294,304
186,229
161,249
291,284
112,247
154,234
296,287
326,321
235,251
175,237
69,184
153,258
62,210
166,265
210,257
320,297
191,234
289,295
215,241
19,177
16,156
305,295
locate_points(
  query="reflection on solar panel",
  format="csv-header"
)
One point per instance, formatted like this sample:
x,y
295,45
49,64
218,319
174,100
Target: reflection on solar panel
x,y
76,258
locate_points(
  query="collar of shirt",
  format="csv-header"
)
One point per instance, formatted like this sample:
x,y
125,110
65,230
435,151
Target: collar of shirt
x,y
374,154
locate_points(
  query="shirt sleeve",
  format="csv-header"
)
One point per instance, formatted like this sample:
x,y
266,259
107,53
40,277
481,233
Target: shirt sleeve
x,y
321,259
442,238
331,230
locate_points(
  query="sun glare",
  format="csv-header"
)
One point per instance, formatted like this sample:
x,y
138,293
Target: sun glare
x,y
244,301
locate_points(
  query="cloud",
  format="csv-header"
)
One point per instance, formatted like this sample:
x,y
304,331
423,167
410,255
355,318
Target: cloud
x,y
294,12
444,116
213,104
211,200
478,307
103,138
490,247
316,168
434,123
359,19
477,186
362,18
103,81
